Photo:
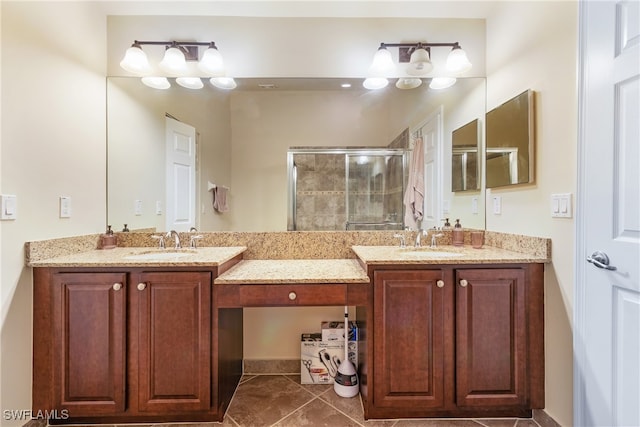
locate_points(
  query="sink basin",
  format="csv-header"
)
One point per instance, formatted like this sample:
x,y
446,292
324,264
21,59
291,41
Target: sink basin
x,y
159,256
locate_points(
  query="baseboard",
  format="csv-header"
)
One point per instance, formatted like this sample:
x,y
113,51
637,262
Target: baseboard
x,y
262,367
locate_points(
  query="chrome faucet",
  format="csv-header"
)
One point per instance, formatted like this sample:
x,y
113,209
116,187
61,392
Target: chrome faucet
x,y
434,242
417,243
160,239
174,234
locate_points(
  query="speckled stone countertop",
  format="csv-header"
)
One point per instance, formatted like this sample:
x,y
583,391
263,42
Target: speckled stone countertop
x,y
146,257
294,271
442,255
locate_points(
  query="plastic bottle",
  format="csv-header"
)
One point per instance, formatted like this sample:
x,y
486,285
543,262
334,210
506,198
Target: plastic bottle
x,y
458,234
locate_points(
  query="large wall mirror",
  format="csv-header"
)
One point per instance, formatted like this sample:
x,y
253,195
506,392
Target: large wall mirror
x,y
242,138
510,142
465,162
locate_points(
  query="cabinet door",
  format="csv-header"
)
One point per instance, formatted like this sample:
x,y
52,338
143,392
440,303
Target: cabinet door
x,y
410,326
490,337
89,324
173,341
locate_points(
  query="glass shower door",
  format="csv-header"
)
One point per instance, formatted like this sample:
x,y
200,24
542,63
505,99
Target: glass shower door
x,y
375,190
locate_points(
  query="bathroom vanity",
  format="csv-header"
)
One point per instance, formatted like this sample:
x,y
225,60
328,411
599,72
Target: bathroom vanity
x,y
128,336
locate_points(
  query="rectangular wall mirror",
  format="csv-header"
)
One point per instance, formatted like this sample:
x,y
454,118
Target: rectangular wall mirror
x,y
510,142
465,165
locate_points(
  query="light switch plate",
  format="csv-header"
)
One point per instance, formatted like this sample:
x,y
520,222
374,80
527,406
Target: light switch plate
x,y
65,207
474,205
137,207
497,205
561,205
9,207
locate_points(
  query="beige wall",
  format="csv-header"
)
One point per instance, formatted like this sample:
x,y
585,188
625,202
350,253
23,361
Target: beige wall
x,y
533,45
52,143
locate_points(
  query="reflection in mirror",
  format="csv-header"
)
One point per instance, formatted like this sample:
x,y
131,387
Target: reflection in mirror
x,y
510,142
464,166
346,189
242,139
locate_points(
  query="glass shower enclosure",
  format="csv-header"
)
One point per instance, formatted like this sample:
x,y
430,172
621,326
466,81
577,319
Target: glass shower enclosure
x,y
346,188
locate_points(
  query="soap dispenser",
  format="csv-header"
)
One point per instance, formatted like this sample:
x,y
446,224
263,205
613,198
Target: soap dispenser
x,y
458,234
447,224
108,239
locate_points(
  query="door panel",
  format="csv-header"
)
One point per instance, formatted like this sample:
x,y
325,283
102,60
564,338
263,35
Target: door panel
x,y
89,350
491,337
181,175
174,362
606,339
410,331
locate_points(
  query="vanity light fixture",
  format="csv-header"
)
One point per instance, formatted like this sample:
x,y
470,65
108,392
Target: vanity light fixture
x,y
438,83
174,64
418,57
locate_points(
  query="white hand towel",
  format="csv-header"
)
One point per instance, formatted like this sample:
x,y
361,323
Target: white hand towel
x,y
414,194
220,198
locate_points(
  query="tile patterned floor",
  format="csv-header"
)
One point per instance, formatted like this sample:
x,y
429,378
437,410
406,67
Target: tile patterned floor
x,y
280,400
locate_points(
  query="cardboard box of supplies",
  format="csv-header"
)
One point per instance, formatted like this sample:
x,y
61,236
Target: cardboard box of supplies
x,y
320,359
334,331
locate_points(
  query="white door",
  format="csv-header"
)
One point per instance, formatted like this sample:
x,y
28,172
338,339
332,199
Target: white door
x,y
607,310
432,139
181,175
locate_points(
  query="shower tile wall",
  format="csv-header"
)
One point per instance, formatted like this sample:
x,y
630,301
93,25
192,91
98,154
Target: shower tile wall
x,y
320,192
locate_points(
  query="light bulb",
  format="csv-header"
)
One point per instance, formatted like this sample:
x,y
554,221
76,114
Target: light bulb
x,y
457,61
190,82
156,82
212,63
223,82
174,61
135,60
442,82
374,83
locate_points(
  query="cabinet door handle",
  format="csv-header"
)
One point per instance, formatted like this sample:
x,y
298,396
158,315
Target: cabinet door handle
x,y
142,286
463,283
117,286
440,283
292,296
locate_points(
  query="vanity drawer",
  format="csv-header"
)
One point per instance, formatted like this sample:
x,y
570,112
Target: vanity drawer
x,y
280,295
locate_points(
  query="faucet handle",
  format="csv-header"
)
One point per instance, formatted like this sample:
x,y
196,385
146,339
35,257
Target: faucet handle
x,y
160,239
402,241
192,241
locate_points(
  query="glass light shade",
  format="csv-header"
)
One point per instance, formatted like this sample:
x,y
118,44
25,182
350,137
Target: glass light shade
x,y
212,63
382,64
135,60
442,82
408,83
190,82
156,82
374,83
457,61
419,63
223,82
174,61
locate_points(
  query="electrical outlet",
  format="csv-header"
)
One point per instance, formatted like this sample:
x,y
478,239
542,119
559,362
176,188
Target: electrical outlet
x,y
474,205
158,207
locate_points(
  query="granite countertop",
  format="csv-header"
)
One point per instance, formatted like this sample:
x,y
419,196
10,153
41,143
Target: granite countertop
x,y
442,255
294,271
144,257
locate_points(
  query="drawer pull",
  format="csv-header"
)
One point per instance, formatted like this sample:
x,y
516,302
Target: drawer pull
x,y
142,286
463,283
117,286
440,283
292,296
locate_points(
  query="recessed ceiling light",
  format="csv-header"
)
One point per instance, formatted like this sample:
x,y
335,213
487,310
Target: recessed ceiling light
x,y
345,85
267,86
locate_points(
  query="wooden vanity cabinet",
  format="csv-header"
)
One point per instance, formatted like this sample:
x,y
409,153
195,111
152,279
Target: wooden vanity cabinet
x,y
456,341
120,346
